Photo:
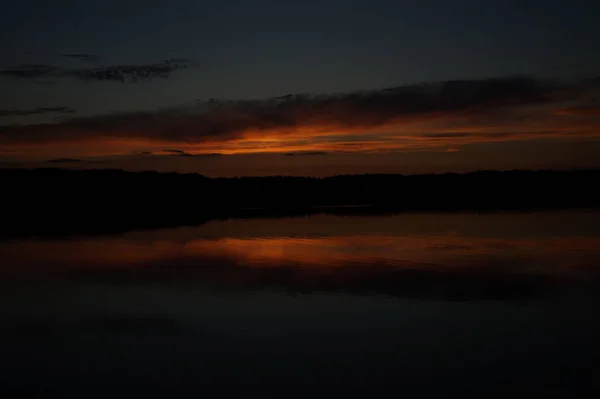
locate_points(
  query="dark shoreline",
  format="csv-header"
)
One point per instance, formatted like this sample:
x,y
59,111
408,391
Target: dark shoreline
x,y
62,202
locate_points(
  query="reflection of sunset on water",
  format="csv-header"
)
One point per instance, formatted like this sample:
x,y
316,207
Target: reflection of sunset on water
x,y
448,251
416,251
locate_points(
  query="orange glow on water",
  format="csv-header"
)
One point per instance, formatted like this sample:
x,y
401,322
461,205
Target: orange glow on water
x,y
446,252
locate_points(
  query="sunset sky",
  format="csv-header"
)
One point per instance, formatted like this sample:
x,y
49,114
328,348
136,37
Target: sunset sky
x,y
299,87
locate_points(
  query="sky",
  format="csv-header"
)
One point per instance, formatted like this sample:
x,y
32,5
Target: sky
x,y
314,88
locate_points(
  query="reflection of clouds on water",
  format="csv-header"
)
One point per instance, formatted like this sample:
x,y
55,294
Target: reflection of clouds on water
x,y
214,307
552,254
413,262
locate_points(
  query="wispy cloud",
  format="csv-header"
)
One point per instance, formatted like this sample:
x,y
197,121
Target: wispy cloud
x,y
588,110
82,57
181,153
32,71
36,111
65,160
305,153
131,73
73,161
175,152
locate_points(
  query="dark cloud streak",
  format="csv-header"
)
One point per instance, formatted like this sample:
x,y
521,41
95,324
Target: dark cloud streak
x,y
65,160
36,111
114,73
32,71
82,57
305,153
181,153
589,110
73,161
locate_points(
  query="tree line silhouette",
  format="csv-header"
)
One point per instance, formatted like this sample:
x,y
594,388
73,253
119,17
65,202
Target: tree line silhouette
x,y
53,201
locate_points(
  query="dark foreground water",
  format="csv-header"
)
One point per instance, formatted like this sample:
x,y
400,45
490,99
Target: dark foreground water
x,y
411,305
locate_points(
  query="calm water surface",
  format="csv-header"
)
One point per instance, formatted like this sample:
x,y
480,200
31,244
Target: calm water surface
x,y
442,305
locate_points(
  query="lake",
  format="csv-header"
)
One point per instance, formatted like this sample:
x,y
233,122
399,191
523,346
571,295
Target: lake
x,y
412,304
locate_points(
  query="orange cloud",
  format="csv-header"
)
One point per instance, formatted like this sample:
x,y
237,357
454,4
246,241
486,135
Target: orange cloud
x,y
592,110
438,115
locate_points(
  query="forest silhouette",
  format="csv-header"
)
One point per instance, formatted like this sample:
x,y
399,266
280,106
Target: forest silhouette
x,y
53,201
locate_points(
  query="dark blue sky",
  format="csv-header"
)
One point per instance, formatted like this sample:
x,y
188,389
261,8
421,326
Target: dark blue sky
x,y
262,48
255,49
